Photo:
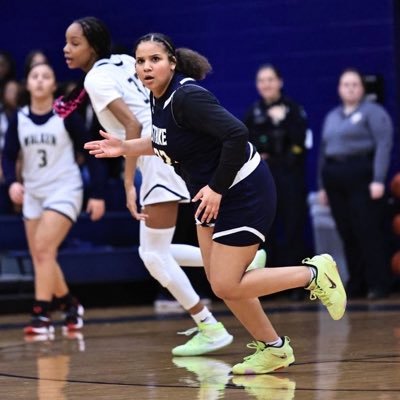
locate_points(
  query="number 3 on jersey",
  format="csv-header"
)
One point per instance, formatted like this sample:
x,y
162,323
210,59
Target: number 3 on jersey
x,y
163,155
43,158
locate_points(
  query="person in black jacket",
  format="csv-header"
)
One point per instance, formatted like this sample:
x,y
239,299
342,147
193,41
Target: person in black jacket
x,y
278,127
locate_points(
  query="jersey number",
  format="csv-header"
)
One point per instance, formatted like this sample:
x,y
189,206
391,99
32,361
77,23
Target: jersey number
x,y
43,158
162,154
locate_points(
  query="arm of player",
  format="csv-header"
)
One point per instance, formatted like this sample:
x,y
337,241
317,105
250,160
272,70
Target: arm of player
x,y
133,129
113,147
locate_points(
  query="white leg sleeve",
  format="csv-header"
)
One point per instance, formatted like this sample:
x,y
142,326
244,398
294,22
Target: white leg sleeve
x,y
186,255
155,253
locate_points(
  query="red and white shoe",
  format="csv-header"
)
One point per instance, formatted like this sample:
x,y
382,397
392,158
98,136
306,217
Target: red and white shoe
x,y
73,318
40,324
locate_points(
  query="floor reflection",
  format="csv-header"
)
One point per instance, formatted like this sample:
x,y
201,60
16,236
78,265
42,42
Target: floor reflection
x,y
267,387
211,375
53,362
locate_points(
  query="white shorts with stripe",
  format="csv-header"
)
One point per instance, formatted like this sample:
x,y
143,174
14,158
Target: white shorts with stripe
x,y
160,183
66,199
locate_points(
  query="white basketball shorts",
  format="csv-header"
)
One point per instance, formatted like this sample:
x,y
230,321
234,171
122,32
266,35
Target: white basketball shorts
x,y
160,183
65,199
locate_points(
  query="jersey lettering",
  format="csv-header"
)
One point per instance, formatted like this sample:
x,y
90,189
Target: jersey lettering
x,y
42,138
159,136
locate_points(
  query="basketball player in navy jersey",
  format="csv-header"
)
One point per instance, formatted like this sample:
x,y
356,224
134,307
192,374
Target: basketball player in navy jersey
x,y
122,106
232,189
51,193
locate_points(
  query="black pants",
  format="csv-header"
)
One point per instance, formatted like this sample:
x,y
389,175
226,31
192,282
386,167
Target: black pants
x,y
285,244
360,222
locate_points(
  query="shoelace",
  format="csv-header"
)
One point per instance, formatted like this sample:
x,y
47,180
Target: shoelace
x,y
200,334
317,292
254,345
320,294
189,331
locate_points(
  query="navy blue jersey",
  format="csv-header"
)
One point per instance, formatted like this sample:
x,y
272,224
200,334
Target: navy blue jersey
x,y
197,136
208,146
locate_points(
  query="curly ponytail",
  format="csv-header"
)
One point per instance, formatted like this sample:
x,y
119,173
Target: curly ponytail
x,y
189,62
192,63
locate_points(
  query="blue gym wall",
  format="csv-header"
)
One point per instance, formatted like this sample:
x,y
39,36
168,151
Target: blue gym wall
x,y
311,41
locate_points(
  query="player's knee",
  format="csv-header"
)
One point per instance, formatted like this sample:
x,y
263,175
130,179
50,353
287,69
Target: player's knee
x,y
154,264
42,253
222,289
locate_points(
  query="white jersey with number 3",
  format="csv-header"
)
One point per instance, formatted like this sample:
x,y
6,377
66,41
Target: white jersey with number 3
x,y
48,154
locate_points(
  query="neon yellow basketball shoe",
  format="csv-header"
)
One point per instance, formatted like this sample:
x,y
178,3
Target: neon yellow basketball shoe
x,y
265,359
327,285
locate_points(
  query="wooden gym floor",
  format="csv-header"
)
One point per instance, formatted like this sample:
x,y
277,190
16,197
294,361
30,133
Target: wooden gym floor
x,y
124,353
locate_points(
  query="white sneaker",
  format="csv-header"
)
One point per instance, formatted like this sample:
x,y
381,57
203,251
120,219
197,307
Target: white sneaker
x,y
209,337
259,261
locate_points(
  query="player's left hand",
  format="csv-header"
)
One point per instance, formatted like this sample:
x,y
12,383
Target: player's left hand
x,y
130,192
96,208
209,204
376,190
110,146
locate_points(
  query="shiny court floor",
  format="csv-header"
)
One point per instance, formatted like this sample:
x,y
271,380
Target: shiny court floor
x,y
124,353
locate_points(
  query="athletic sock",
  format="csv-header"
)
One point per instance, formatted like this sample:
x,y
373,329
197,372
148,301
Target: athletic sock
x,y
41,307
64,302
313,273
204,317
276,343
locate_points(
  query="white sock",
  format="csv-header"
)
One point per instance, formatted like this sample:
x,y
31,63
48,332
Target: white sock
x,y
276,343
204,316
186,255
313,273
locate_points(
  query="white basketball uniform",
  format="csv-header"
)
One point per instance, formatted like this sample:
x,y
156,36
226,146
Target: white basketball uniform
x,y
51,176
113,78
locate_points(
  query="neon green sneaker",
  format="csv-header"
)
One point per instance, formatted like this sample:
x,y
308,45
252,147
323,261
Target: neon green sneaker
x,y
209,337
327,285
259,261
266,358
267,387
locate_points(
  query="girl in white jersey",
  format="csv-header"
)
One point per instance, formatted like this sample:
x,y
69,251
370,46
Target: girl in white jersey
x,y
51,193
121,103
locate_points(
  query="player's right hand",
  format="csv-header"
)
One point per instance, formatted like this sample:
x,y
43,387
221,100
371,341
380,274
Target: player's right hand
x,y
16,192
